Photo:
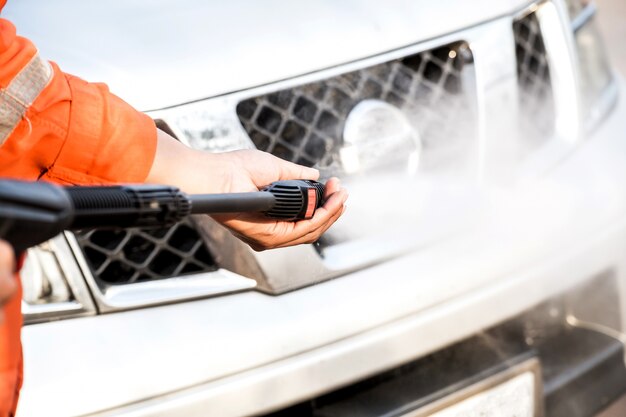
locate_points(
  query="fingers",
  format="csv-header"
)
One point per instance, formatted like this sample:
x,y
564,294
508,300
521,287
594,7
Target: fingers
x,y
8,285
323,215
309,231
262,233
314,235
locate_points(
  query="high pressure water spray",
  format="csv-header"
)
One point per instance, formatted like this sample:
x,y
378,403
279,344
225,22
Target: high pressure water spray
x,y
33,212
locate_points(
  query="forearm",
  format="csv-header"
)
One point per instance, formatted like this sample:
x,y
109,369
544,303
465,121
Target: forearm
x,y
196,171
191,170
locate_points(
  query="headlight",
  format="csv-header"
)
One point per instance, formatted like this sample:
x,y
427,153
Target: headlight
x,y
210,125
53,285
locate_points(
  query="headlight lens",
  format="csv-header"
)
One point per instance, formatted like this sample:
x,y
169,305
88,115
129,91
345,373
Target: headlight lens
x,y
44,281
53,286
210,125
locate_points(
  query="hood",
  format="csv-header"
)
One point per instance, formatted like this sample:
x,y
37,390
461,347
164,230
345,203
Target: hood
x,y
157,53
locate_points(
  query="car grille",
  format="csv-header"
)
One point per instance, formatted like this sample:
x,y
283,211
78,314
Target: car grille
x,y
533,73
435,89
304,124
137,255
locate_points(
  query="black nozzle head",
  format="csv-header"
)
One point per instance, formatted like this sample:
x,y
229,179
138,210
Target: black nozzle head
x,y
295,199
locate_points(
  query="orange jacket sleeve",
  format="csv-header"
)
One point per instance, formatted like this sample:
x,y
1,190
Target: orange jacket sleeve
x,y
75,132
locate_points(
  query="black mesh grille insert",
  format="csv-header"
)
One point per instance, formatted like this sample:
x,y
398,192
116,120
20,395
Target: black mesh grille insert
x,y
305,124
136,255
536,99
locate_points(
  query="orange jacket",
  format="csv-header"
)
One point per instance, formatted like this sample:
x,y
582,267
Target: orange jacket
x,y
74,132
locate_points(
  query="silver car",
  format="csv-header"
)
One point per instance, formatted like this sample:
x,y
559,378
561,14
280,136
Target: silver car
x,y
480,267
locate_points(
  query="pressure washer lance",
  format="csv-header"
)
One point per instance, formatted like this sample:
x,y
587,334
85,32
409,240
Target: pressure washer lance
x,y
33,212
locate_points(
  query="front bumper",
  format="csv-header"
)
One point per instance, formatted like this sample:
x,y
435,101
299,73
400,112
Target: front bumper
x,y
250,353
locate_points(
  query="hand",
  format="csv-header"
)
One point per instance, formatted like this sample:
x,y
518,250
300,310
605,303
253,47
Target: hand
x,y
253,169
8,286
241,171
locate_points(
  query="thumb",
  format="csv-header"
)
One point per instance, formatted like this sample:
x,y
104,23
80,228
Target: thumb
x,y
291,171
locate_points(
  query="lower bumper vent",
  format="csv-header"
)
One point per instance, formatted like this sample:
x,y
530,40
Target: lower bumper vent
x,y
135,255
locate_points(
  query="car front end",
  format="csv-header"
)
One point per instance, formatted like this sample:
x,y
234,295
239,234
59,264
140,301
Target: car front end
x,y
481,259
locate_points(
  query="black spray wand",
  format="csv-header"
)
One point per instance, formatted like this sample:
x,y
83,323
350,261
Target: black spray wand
x,y
31,213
